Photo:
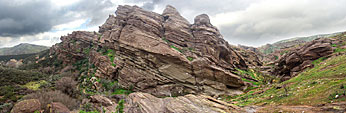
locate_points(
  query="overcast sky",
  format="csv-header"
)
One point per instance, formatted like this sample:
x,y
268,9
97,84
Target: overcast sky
x,y
246,22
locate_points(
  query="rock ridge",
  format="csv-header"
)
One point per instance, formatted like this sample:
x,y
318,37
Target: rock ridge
x,y
161,54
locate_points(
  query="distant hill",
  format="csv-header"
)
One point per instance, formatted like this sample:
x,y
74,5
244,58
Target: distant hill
x,y
270,48
23,48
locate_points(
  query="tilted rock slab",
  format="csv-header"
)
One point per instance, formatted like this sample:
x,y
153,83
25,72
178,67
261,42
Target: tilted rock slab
x,y
162,55
146,103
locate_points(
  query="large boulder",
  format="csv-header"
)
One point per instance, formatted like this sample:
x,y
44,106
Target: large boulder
x,y
103,103
146,103
163,55
298,59
57,107
27,106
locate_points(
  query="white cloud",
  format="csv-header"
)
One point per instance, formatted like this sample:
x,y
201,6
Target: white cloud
x,y
71,25
61,3
273,20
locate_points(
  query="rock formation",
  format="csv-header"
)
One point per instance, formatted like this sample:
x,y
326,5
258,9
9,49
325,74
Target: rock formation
x,y
298,59
182,104
27,106
163,55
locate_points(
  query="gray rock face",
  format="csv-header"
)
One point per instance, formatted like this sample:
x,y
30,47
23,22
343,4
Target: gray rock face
x,y
182,104
162,55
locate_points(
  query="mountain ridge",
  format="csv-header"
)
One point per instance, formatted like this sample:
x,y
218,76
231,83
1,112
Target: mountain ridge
x,y
23,48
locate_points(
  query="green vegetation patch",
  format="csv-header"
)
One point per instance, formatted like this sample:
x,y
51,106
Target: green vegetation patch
x,y
35,85
111,55
172,46
120,107
338,50
189,58
322,84
318,61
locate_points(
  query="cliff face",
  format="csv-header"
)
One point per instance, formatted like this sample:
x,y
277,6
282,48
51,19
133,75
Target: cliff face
x,y
161,54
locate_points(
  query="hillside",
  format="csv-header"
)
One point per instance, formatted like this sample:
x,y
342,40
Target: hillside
x,y
23,48
270,48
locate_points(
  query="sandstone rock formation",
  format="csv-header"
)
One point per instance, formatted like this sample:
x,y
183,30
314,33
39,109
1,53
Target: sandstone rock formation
x,y
58,107
182,104
103,102
27,106
162,55
298,59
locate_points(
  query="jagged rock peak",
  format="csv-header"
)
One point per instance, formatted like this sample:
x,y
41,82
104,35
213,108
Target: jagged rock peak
x,y
170,10
170,13
202,19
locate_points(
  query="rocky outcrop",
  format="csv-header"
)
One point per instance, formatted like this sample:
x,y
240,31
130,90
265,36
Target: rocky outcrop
x,y
182,104
27,106
163,55
298,59
14,63
58,107
251,55
103,104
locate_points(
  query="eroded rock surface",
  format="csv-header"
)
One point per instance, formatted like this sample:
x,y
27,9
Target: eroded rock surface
x,y
295,61
27,106
182,104
163,55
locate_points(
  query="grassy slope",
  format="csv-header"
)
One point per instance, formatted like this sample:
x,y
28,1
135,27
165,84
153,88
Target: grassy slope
x,y
315,86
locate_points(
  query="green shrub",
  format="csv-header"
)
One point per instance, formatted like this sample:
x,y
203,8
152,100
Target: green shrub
x,y
189,58
276,57
121,91
120,107
11,76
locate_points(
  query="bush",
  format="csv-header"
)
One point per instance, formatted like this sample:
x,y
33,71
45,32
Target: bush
x,y
11,76
67,85
47,97
120,107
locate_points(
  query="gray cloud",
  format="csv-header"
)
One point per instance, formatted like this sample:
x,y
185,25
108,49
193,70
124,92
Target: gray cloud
x,y
37,16
26,18
96,10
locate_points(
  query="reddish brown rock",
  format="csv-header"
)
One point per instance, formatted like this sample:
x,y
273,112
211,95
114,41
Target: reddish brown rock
x,y
27,106
58,107
163,55
298,59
